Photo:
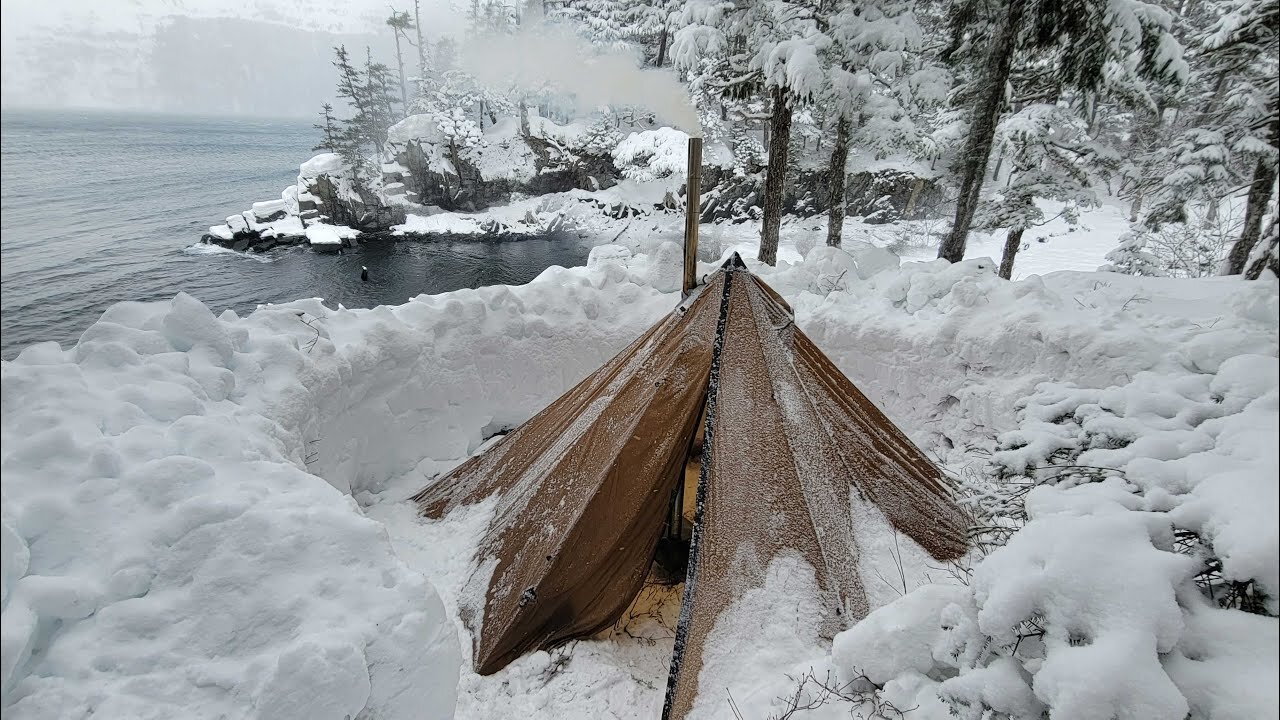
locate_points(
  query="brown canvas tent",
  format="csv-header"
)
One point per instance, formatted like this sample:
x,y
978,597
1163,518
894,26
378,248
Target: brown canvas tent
x,y
583,489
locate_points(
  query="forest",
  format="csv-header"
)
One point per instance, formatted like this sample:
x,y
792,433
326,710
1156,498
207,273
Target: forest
x,y
1168,106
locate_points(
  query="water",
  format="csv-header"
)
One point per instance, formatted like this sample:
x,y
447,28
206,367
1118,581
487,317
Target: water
x,y
99,208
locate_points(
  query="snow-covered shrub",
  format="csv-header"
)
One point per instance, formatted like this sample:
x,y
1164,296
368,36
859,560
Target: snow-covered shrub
x,y
1172,250
459,132
1127,560
1189,248
710,248
806,242
652,154
915,235
1132,257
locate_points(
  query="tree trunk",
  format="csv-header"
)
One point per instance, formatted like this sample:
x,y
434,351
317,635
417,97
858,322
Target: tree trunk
x,y
404,95
982,130
662,48
1136,209
836,180
524,119
1269,259
1012,243
774,177
422,46
1264,176
916,187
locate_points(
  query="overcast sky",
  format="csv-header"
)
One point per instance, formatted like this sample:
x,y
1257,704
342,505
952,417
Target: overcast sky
x,y
247,57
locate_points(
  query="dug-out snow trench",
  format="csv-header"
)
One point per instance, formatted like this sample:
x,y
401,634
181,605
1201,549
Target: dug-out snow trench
x,y
945,350
424,384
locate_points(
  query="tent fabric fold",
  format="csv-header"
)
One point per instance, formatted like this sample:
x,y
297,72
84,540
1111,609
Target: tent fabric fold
x,y
584,488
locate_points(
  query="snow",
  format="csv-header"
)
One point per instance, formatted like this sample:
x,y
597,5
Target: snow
x,y
222,232
267,208
206,516
325,234
893,640
1081,576
652,154
288,226
422,127
166,553
322,164
504,154
770,632
441,223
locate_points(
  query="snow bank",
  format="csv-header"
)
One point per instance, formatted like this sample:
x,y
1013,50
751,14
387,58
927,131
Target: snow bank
x,y
166,553
1139,408
440,224
169,541
765,638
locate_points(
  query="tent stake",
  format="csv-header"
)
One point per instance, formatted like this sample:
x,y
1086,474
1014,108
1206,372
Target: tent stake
x,y
692,197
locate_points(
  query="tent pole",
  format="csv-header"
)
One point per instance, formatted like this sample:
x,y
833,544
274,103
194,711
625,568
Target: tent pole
x,y
692,197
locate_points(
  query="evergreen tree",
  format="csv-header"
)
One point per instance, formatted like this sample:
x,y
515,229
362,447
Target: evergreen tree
x,y
772,47
400,24
1081,46
351,87
1243,49
380,101
883,86
332,133
1051,157
644,24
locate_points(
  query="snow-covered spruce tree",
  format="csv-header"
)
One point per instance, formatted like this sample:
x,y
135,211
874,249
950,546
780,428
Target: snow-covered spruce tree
x,y
882,80
1131,257
371,103
1243,49
356,129
1050,158
647,25
380,100
331,133
770,45
400,24
425,71
1077,44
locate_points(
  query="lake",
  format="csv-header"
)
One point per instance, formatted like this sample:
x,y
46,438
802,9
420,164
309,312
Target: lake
x,y
103,207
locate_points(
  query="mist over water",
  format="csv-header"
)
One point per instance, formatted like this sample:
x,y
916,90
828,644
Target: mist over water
x,y
103,207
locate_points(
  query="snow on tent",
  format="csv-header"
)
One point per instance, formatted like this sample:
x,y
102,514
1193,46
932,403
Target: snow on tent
x,y
585,488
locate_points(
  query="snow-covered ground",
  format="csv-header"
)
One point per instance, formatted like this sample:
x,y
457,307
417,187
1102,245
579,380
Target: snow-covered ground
x,y
204,516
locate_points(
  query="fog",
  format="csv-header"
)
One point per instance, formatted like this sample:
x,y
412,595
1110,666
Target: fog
x,y
541,57
218,57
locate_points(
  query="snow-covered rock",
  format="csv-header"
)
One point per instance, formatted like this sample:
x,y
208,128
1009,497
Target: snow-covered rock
x,y
327,235
653,154
322,164
269,210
